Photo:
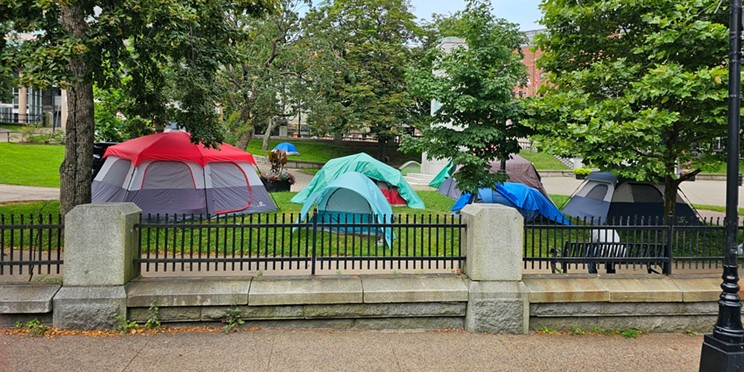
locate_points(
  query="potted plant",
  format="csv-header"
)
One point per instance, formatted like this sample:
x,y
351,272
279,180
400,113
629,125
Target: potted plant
x,y
277,179
581,173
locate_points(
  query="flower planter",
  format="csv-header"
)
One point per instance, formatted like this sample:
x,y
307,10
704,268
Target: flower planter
x,y
277,186
580,176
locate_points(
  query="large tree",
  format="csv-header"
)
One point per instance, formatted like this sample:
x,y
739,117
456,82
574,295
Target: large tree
x,y
372,38
77,43
477,117
638,88
257,84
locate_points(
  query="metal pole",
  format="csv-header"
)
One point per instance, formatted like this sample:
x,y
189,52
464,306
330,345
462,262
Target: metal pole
x,y
723,350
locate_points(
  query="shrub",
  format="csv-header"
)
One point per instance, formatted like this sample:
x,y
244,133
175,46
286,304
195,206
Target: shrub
x,y
582,171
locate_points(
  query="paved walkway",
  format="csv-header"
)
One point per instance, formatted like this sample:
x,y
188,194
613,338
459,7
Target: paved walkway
x,y
9,193
328,350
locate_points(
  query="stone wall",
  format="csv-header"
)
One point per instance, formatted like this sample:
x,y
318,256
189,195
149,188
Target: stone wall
x,y
492,294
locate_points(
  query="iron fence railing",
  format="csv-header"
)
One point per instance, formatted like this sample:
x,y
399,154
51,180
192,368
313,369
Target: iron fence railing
x,y
321,242
649,243
16,118
293,242
33,243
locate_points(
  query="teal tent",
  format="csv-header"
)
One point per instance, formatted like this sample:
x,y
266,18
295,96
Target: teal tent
x,y
443,175
368,166
354,199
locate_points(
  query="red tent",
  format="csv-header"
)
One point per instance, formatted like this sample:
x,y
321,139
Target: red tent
x,y
175,146
166,173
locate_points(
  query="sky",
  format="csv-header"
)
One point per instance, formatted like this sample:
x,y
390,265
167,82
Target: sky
x,y
525,13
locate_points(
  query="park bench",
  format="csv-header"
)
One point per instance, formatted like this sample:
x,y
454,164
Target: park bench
x,y
608,253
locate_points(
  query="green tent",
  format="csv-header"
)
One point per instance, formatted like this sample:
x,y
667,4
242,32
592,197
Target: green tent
x,y
366,165
443,174
350,203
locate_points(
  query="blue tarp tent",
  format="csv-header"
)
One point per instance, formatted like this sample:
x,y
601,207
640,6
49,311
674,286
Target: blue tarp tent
x,y
527,200
289,148
352,198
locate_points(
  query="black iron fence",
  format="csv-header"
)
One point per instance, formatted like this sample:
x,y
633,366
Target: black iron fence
x,y
326,242
649,244
300,242
16,118
30,244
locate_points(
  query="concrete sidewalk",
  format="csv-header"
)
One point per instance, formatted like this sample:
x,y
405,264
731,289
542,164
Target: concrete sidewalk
x,y
330,350
9,193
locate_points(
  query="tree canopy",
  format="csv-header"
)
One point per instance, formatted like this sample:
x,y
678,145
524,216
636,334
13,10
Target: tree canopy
x,y
476,119
637,88
78,43
371,40
260,82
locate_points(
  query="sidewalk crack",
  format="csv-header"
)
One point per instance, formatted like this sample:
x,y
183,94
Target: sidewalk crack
x,y
126,367
271,352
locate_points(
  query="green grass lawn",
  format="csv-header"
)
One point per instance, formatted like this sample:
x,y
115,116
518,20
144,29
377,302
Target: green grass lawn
x,y
543,161
38,165
435,202
721,169
320,151
30,165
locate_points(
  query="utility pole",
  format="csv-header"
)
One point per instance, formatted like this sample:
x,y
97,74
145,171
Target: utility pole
x,y
723,350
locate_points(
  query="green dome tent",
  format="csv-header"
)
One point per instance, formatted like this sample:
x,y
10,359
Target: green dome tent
x,y
366,165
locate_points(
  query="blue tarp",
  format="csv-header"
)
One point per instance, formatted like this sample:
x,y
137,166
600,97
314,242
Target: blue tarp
x,y
351,198
527,200
289,148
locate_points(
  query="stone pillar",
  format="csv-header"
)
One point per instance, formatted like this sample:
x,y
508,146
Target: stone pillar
x,y
22,105
63,109
498,301
100,247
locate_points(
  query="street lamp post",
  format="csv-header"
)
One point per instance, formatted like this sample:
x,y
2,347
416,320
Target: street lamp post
x,y
723,350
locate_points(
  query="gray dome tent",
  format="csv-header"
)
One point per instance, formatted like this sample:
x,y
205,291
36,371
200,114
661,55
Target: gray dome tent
x,y
519,170
605,198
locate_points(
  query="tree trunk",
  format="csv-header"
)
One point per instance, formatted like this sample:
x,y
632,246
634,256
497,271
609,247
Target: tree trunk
x,y
670,197
247,118
381,150
267,135
244,139
338,137
75,172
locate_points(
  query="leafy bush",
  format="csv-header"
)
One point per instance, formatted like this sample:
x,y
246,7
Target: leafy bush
x,y
582,171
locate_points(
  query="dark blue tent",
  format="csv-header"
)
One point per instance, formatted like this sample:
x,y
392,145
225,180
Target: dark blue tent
x,y
289,148
605,198
527,200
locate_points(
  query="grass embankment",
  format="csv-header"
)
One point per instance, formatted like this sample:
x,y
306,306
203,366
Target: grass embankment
x,y
320,151
30,165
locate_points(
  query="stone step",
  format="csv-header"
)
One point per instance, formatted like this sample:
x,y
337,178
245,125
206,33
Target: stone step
x,y
419,178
